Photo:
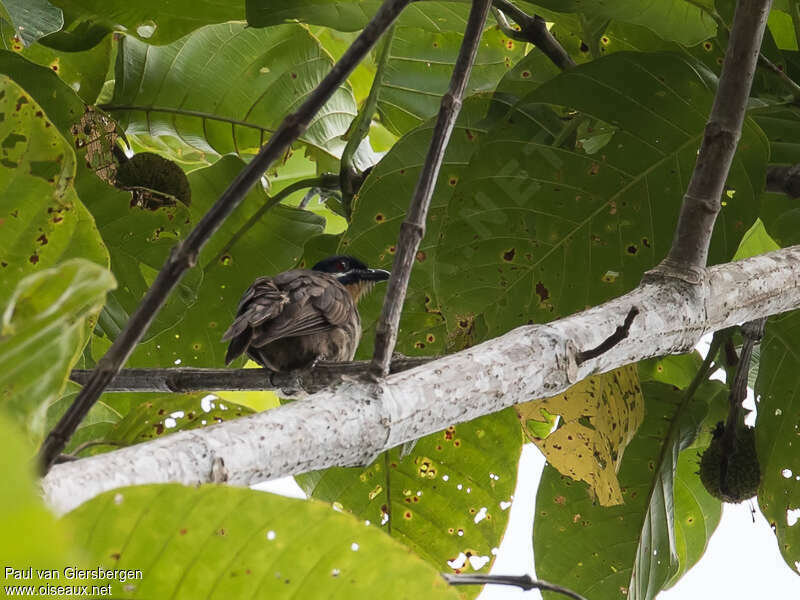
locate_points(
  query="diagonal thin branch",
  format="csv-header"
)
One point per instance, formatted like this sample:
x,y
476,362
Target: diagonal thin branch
x,y
532,29
413,229
184,255
525,582
702,201
350,178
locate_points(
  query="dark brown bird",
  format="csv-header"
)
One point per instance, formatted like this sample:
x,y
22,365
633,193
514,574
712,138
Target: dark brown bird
x,y
298,317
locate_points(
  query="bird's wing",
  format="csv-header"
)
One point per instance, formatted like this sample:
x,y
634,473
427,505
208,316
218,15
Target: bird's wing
x,y
317,303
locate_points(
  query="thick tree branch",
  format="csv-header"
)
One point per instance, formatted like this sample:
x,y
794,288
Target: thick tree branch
x,y
702,201
186,380
413,228
784,180
184,255
353,423
532,29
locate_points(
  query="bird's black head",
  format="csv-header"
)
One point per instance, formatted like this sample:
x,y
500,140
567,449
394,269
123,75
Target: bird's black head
x,y
353,274
349,270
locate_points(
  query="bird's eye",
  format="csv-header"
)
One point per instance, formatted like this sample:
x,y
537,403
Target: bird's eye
x,y
341,266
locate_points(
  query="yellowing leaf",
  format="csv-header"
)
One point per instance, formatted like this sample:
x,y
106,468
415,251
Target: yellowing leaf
x,y
599,416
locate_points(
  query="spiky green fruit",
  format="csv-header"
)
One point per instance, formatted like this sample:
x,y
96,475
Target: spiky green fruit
x,y
149,171
743,474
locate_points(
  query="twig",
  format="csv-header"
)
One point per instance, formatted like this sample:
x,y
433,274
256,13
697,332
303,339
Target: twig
x,y
350,178
784,180
532,29
413,229
186,380
762,59
701,204
752,331
782,75
184,255
526,582
326,180
794,9
620,333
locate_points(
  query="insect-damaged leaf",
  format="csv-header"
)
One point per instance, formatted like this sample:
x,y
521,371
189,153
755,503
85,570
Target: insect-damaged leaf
x,y
599,417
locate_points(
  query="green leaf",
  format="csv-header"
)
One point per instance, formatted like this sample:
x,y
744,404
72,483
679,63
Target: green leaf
x,y
161,414
776,431
44,327
224,542
245,247
536,232
33,19
419,69
153,21
85,72
176,89
42,221
630,550
95,425
352,15
755,241
448,500
31,536
684,21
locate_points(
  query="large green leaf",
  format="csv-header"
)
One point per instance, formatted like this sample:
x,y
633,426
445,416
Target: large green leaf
x,y
352,15
632,550
42,221
776,431
685,21
536,231
448,500
32,19
420,65
31,536
224,542
179,89
245,247
43,330
85,72
154,21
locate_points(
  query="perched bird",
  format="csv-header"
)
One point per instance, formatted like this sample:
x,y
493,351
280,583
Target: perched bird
x,y
298,317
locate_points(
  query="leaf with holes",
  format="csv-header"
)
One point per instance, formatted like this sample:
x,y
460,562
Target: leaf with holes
x,y
448,500
687,22
537,231
226,542
178,89
352,15
776,431
419,67
250,243
31,19
631,549
42,221
599,416
155,21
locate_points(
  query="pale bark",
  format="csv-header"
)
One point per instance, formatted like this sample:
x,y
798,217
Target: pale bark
x,y
356,421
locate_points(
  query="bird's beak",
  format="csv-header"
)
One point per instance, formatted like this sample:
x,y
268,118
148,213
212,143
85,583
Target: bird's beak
x,y
375,275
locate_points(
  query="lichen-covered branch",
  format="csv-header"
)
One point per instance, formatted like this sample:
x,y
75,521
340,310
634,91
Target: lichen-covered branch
x,y
355,421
